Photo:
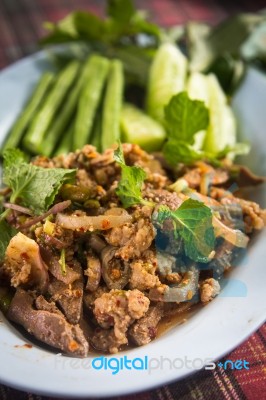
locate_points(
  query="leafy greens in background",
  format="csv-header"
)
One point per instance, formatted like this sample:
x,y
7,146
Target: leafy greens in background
x,y
122,21
228,47
33,186
127,34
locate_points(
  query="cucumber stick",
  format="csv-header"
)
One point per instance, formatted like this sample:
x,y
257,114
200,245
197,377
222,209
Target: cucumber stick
x,y
60,123
34,139
198,89
139,128
112,105
222,128
166,78
89,100
34,103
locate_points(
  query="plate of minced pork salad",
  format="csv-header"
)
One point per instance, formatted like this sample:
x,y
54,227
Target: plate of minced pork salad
x,y
129,230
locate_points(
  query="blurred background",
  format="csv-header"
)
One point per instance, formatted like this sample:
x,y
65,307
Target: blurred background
x,y
21,21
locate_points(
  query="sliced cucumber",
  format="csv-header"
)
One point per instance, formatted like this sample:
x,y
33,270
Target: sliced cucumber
x,y
167,77
222,127
137,127
197,88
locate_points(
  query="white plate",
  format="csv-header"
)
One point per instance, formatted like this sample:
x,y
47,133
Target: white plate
x,y
212,332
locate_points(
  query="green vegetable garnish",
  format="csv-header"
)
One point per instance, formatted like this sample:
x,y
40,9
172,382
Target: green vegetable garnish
x,y
130,184
184,118
192,221
34,186
122,20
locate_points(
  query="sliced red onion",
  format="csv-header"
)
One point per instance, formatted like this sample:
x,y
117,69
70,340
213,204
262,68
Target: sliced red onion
x,y
57,208
234,236
18,208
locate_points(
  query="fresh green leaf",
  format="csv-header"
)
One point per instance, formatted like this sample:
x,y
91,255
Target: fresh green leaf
x,y
13,157
121,11
6,233
77,26
185,117
34,186
130,184
180,152
192,221
119,155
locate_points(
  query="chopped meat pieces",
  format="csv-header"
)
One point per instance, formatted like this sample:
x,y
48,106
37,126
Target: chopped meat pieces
x,y
69,296
101,273
143,275
93,272
49,327
119,309
209,289
145,329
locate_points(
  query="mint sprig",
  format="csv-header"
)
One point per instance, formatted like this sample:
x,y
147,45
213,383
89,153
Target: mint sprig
x,y
131,182
32,186
192,222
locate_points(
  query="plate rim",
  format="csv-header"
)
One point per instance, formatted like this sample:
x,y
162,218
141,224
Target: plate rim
x,y
119,391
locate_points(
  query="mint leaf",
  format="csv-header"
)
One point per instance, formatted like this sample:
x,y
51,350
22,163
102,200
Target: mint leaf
x,y
192,221
180,152
130,184
6,234
185,117
34,186
119,155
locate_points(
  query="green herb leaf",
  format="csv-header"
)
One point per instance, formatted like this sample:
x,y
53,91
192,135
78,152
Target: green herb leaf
x,y
77,26
130,184
119,155
34,186
120,10
180,152
185,117
193,222
6,234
